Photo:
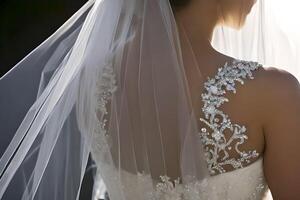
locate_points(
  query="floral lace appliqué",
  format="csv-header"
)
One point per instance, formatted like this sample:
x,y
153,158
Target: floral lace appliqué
x,y
106,86
219,188
168,190
214,188
215,142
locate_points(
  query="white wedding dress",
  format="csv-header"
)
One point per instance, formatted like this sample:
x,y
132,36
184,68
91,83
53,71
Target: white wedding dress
x,y
242,183
140,54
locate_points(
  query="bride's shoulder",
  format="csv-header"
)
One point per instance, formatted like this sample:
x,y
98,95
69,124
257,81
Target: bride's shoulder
x,y
272,88
277,88
279,93
278,74
276,81
269,81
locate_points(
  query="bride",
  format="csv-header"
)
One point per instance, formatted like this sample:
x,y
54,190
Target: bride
x,y
141,86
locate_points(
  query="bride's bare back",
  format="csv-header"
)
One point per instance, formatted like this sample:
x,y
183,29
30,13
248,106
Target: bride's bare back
x,y
268,105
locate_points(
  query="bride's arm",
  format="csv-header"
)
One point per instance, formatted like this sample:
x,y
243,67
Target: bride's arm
x,y
282,134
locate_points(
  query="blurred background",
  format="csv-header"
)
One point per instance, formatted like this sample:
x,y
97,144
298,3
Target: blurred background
x,y
24,24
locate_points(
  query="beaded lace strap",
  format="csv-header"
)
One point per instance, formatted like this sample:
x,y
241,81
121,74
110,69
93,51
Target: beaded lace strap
x,y
106,87
215,143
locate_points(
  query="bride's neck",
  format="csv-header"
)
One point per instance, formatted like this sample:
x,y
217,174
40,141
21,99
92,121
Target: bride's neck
x,y
197,22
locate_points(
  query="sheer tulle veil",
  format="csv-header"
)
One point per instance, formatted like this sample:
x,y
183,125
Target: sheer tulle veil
x,y
112,82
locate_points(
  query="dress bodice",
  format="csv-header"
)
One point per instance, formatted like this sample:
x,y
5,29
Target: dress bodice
x,y
245,181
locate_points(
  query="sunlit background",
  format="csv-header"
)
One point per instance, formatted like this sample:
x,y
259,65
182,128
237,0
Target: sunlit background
x,y
270,36
287,14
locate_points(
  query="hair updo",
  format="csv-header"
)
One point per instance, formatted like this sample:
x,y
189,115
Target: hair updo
x,y
179,3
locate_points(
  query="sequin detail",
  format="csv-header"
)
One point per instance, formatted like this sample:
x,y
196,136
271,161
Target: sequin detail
x,y
215,143
168,190
228,186
247,183
106,86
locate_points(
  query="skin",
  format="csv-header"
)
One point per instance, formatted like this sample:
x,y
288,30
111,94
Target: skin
x,y
269,105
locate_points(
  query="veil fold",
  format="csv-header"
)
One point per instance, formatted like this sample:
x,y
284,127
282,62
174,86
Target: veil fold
x,y
111,82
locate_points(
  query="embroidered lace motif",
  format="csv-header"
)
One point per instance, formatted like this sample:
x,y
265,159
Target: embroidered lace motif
x,y
208,188
218,122
106,86
215,142
167,190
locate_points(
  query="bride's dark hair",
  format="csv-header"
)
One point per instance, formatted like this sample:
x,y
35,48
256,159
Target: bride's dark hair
x,y
179,3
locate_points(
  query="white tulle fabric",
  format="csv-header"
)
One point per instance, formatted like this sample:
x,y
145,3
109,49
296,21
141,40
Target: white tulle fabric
x,y
112,82
243,184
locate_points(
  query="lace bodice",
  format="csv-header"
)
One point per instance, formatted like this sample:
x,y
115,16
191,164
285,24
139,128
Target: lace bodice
x,y
216,143
245,182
